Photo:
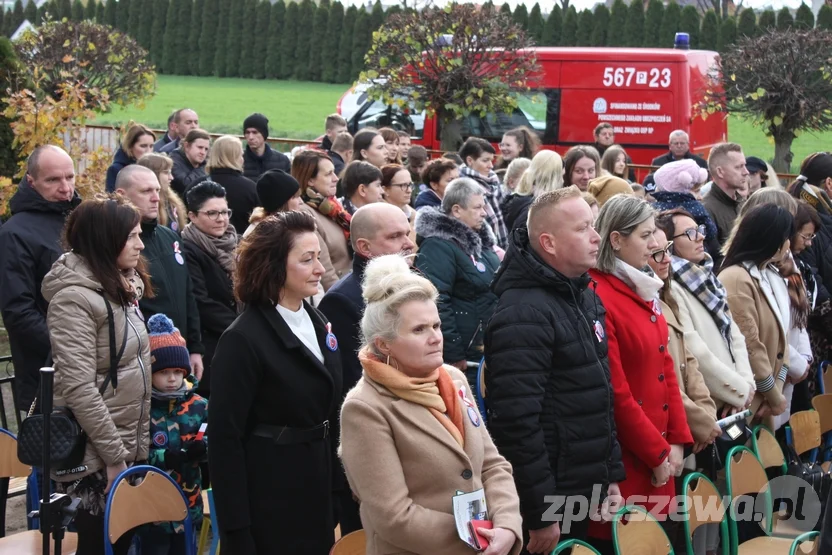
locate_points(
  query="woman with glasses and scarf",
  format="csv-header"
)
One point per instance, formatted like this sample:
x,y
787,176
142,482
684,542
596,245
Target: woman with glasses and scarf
x,y
700,409
209,243
315,173
710,331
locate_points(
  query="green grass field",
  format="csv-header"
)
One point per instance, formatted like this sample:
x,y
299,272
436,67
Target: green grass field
x,y
297,110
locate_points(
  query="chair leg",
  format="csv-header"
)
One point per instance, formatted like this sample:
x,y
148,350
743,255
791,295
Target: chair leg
x,y
203,536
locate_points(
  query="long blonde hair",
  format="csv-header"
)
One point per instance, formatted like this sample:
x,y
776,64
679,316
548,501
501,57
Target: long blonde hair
x,y
169,201
544,174
226,152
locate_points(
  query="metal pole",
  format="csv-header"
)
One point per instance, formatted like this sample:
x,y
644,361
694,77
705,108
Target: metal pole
x,y
47,376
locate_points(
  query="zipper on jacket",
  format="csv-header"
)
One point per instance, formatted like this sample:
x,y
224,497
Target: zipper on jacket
x,y
600,367
144,381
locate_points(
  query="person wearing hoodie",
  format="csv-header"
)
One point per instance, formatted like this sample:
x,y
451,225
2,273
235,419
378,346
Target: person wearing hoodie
x,y
677,186
259,157
189,161
456,253
30,242
137,142
176,415
168,269
547,373
101,355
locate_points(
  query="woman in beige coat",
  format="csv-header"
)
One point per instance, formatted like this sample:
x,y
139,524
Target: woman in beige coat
x,y
92,288
316,176
411,435
711,333
761,239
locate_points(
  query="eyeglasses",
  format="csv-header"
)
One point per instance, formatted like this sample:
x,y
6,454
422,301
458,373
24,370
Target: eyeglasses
x,y
216,214
659,256
692,233
808,237
403,186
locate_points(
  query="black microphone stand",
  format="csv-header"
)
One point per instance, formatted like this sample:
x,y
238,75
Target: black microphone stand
x,y
56,510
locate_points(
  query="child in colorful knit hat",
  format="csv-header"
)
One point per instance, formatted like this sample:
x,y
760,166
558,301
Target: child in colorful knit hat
x,y
177,444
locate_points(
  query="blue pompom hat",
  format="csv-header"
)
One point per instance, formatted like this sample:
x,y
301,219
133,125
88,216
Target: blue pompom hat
x,y
167,346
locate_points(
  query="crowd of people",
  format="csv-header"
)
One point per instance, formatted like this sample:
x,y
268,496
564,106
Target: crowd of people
x,y
329,309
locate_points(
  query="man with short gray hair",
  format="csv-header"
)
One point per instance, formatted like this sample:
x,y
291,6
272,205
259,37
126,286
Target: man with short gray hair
x,y
169,274
679,144
456,253
30,242
550,398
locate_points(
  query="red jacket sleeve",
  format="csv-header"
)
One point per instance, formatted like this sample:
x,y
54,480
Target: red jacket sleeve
x,y
678,431
636,432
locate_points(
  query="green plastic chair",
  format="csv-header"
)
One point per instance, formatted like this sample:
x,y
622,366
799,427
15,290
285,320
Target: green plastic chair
x,y
577,546
745,476
641,534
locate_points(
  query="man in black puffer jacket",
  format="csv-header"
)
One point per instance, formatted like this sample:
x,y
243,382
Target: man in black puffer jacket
x,y
547,378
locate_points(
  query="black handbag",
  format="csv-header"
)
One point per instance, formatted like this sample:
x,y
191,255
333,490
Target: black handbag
x,y
68,442
734,435
812,473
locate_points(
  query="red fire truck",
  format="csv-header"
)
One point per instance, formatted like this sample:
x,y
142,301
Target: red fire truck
x,y
645,93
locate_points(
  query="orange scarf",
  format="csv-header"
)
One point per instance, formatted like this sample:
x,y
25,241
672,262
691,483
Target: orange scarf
x,y
436,391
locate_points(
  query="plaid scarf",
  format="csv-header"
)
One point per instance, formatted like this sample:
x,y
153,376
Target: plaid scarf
x,y
494,196
703,284
329,207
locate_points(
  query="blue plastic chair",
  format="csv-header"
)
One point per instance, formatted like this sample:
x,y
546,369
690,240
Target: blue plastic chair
x,y
158,498
479,390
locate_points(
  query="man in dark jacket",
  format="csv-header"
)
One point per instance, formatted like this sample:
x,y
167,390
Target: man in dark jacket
x,y
341,152
259,157
333,126
168,137
679,144
168,272
185,120
375,230
547,376
30,242
728,189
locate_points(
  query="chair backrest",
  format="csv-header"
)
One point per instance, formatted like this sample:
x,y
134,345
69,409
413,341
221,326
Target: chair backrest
x,y
823,405
354,543
10,467
156,499
636,532
805,427
479,391
703,505
745,475
577,546
767,449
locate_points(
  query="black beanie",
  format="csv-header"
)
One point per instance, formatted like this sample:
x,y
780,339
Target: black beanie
x,y
275,188
259,122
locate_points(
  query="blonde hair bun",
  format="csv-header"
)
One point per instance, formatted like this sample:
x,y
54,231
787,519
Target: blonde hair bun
x,y
384,276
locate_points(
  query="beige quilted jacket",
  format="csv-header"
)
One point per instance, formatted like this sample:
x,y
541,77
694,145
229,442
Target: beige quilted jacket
x,y
117,423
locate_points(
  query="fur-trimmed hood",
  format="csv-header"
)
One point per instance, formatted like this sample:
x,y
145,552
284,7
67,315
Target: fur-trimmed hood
x,y
433,223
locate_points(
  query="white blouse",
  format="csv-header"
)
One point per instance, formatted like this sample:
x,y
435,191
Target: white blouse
x,y
301,325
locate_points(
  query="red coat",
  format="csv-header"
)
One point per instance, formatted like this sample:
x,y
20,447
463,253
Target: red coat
x,y
649,415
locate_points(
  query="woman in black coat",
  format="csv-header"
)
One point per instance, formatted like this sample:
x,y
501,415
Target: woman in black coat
x,y
276,389
209,243
225,166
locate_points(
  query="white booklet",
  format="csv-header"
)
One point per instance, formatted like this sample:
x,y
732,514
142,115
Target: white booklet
x,y
468,507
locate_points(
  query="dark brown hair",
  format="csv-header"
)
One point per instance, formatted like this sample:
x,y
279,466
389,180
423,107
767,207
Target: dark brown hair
x,y
262,256
805,214
358,173
527,139
435,169
97,231
575,154
195,134
305,166
664,220
388,172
